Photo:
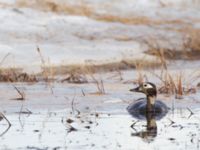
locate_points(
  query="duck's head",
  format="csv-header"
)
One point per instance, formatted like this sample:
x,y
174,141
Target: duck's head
x,y
147,88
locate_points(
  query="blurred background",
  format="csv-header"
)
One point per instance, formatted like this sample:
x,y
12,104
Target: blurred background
x,y
112,34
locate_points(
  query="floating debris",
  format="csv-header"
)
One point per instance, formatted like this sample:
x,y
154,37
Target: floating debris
x,y
171,139
36,130
69,121
87,127
71,129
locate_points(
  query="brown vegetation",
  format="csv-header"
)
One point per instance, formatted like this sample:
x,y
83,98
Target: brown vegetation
x,y
75,78
190,48
15,75
134,20
172,83
84,9
108,67
57,6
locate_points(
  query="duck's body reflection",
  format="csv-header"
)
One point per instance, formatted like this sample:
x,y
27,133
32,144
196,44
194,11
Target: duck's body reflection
x,y
151,129
149,109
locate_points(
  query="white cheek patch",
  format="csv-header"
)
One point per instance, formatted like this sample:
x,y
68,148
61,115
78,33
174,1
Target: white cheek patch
x,y
147,86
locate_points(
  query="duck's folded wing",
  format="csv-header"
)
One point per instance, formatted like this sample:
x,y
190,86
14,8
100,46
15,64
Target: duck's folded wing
x,y
162,106
137,105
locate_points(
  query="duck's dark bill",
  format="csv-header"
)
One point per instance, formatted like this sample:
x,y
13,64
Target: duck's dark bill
x,y
135,89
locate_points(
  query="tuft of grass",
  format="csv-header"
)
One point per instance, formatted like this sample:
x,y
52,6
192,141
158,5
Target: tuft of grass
x,y
140,75
99,85
190,48
16,75
75,78
170,83
174,84
179,87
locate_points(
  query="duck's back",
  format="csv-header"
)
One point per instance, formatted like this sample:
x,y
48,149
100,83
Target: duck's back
x,y
138,109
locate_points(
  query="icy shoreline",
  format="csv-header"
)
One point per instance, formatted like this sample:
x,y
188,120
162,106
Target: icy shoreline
x,y
76,40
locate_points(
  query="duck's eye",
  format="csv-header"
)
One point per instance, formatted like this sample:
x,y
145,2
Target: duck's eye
x,y
145,85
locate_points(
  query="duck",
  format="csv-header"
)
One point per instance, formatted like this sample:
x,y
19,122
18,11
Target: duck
x,y
150,104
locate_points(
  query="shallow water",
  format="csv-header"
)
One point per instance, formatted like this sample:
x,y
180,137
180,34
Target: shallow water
x,y
95,130
46,119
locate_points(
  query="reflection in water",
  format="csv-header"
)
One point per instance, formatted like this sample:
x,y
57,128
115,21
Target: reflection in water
x,y
141,113
9,124
151,130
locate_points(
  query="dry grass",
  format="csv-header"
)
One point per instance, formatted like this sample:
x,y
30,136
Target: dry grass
x,y
141,77
73,73
45,73
134,20
172,83
192,42
102,68
84,9
176,83
159,52
190,48
57,6
75,78
16,75
99,84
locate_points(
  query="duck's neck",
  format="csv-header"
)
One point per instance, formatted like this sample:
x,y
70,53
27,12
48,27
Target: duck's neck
x,y
150,102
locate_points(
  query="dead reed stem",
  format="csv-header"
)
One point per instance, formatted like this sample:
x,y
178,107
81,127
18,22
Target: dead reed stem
x,y
99,84
21,94
43,65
